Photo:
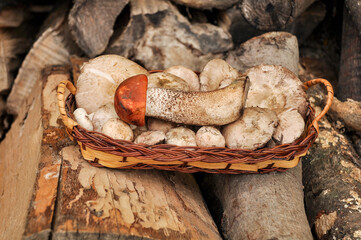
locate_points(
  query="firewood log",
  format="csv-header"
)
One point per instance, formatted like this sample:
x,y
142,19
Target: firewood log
x,y
209,4
12,16
53,47
91,23
354,10
267,206
158,36
349,82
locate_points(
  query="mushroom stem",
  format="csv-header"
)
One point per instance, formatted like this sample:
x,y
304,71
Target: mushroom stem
x,y
218,107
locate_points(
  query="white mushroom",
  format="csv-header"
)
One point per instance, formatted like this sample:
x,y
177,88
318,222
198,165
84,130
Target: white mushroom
x,y
117,129
275,87
187,75
253,130
82,118
99,79
208,136
155,124
150,137
181,136
138,130
168,81
291,126
217,73
102,115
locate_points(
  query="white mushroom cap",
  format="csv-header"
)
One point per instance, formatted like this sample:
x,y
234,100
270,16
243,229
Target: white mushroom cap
x,y
216,73
181,136
253,130
83,119
99,79
137,130
275,87
155,124
187,75
167,80
208,136
150,137
291,126
117,129
102,115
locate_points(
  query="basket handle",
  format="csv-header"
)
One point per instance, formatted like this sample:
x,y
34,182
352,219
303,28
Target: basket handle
x,y
329,89
69,123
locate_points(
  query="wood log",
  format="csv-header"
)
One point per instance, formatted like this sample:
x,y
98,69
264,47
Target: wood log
x,y
12,16
53,47
208,4
272,14
349,82
278,48
91,23
73,200
158,36
301,26
268,206
354,9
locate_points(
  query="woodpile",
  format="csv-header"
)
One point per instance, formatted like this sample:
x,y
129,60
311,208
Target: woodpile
x,y
48,191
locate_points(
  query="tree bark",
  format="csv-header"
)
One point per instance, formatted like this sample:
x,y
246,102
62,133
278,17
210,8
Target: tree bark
x,y
158,36
349,82
354,9
208,4
91,23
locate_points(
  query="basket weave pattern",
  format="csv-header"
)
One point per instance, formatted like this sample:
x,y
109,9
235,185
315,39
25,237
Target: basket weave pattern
x,y
103,151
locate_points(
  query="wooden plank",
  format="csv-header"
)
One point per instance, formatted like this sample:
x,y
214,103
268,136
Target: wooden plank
x,y
99,203
41,210
20,154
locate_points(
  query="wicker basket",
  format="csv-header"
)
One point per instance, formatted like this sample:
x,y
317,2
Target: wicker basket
x,y
103,151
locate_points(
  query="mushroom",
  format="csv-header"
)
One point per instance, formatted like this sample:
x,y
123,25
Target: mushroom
x,y
187,75
102,115
209,136
167,80
275,87
150,137
217,73
291,126
137,130
117,129
133,101
155,124
253,130
181,136
99,79
83,119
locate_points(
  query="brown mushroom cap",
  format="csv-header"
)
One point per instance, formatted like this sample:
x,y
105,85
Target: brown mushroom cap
x,y
275,87
253,130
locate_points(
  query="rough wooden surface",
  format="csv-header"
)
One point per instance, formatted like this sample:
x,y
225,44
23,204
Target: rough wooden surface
x,y
207,4
19,154
53,47
12,16
91,23
349,82
158,36
41,210
354,9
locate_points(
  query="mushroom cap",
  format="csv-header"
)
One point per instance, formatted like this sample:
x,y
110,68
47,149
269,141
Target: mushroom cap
x,y
83,119
275,87
181,136
208,136
150,137
99,79
187,75
117,129
291,126
216,73
167,80
155,124
102,115
130,100
253,130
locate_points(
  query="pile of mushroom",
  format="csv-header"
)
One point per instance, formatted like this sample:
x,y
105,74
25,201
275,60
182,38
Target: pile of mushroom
x,y
221,107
